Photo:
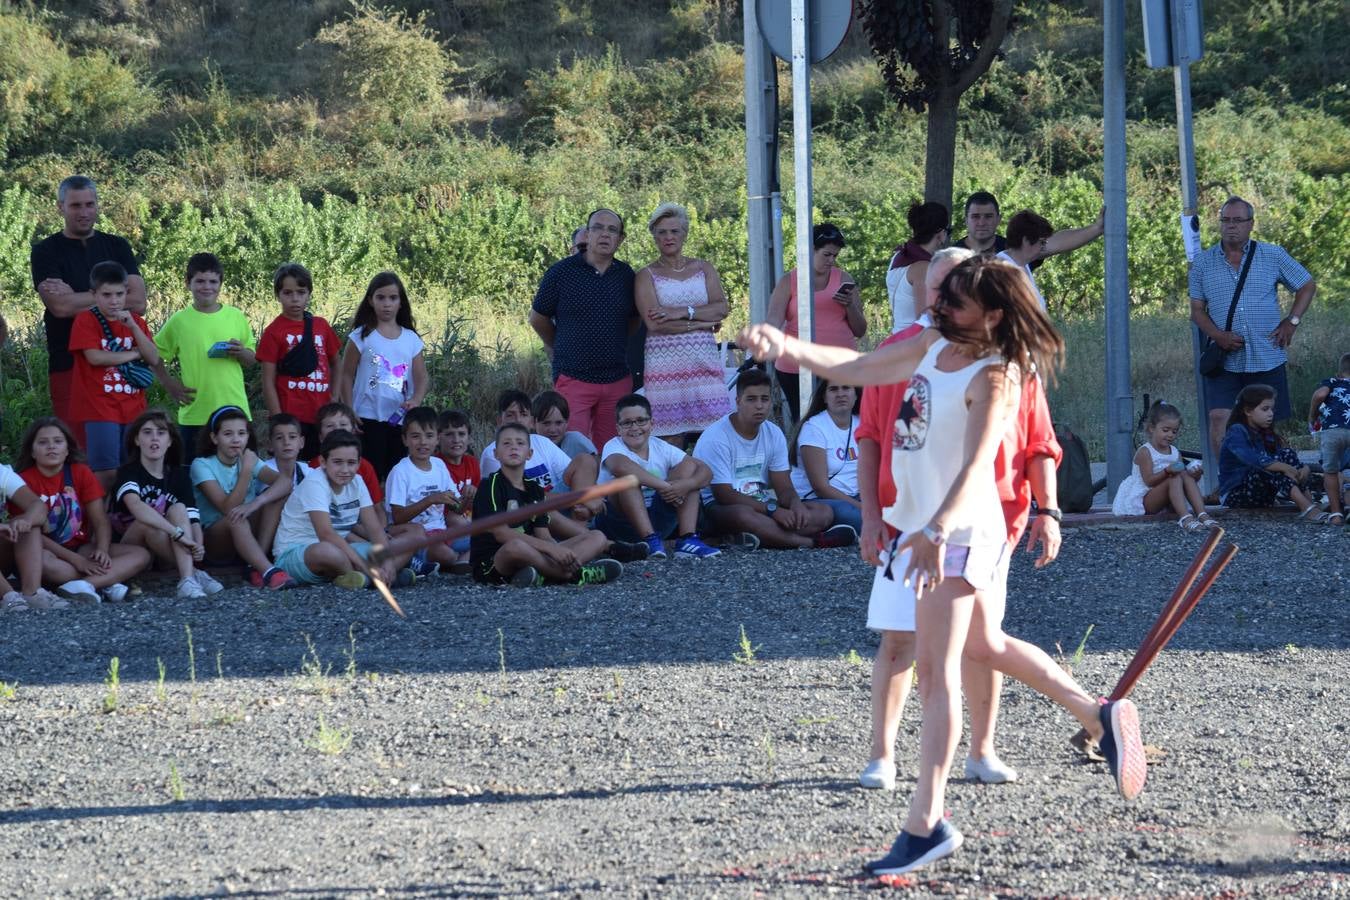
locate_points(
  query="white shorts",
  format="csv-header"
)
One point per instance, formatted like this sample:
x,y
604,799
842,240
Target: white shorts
x,y
891,605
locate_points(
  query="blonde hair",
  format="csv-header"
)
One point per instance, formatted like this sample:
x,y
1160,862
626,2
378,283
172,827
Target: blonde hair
x,y
668,211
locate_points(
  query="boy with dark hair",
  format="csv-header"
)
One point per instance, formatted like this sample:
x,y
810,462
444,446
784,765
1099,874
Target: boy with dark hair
x,y
313,543
526,555
551,414
452,428
212,343
105,399
298,353
419,489
666,500
751,495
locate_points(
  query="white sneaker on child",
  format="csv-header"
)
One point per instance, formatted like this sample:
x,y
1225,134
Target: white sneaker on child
x,y
990,770
79,590
116,593
880,774
13,601
189,589
207,583
45,599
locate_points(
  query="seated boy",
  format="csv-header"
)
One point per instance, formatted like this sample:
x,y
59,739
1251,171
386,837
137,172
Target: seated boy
x,y
452,427
550,468
751,494
551,413
340,417
526,555
313,543
667,499
419,489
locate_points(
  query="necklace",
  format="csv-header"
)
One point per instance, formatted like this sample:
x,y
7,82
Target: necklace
x,y
684,264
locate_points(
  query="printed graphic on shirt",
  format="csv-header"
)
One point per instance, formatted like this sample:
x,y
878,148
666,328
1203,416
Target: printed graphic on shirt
x,y
384,374
911,422
316,381
65,515
748,473
113,382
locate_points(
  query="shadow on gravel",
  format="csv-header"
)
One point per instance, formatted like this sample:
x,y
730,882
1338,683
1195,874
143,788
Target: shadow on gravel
x,y
792,605
356,802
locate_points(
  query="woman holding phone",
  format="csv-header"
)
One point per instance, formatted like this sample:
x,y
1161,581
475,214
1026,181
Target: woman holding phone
x,y
837,309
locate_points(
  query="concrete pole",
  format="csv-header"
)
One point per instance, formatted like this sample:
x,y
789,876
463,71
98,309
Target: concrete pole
x,y
801,161
1119,400
760,145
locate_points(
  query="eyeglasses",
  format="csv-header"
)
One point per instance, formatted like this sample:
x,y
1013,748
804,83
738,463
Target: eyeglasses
x,y
635,423
605,229
1233,220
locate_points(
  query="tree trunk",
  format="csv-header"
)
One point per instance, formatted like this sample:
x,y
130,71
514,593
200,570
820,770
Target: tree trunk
x,y
941,150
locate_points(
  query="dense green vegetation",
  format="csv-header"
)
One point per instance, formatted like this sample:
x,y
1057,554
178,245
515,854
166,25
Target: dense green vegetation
x,y
459,143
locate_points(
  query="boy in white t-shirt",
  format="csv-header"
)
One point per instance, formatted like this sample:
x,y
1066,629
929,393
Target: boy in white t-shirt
x,y
751,494
314,543
420,490
21,546
667,499
550,468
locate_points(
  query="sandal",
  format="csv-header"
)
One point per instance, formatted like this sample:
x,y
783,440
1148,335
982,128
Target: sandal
x,y
1189,522
1334,519
1313,514
1208,521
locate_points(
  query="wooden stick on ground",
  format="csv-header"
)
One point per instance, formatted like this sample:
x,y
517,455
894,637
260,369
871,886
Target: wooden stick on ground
x,y
553,502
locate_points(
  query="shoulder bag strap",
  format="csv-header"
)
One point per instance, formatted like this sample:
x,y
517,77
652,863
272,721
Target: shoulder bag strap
x,y
1242,279
107,329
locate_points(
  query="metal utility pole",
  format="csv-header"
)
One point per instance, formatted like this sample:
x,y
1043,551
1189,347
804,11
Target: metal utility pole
x,y
761,146
1119,400
801,162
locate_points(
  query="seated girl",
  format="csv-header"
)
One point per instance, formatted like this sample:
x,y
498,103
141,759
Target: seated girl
x,y
232,487
21,546
1160,478
78,555
824,452
1255,467
154,506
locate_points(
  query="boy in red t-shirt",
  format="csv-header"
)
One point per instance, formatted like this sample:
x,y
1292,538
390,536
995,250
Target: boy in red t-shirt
x,y
301,395
104,400
452,427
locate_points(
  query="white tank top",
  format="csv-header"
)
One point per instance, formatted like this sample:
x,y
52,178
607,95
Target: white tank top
x,y
902,298
928,448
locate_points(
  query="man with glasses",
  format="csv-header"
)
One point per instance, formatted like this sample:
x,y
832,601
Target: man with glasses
x,y
1256,341
584,312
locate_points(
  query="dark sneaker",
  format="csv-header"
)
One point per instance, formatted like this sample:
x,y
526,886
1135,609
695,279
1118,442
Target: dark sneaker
x,y
837,536
599,571
656,548
461,567
910,852
425,568
527,577
625,551
743,541
693,547
1123,747
406,578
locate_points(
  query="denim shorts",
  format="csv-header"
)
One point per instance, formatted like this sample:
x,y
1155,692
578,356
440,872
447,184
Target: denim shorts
x,y
1335,448
103,443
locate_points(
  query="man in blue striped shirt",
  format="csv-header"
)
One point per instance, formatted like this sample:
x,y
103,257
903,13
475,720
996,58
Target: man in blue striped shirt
x,y
1259,335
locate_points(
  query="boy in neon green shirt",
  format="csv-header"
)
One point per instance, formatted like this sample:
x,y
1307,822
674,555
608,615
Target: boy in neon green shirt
x,y
212,343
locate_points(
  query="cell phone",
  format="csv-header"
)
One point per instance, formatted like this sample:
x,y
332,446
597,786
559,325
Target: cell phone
x,y
848,286
219,349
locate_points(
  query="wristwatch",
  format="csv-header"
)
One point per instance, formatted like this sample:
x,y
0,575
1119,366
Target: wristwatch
x,y
771,506
1294,320
935,536
1052,513
690,310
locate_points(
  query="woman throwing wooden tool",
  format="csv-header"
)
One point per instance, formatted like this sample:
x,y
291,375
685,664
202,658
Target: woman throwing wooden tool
x,y
964,384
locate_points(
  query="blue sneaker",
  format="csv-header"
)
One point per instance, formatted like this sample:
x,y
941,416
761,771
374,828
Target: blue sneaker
x,y
693,547
424,568
656,548
1123,746
909,852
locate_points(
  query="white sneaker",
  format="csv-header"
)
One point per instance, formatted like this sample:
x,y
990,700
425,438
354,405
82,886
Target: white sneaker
x,y
45,599
207,583
990,770
880,774
116,593
189,589
79,590
13,601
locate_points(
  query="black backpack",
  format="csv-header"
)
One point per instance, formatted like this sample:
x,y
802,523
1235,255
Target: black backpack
x,y
1074,474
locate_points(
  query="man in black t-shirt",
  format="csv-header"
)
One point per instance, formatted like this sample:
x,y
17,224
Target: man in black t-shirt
x,y
61,264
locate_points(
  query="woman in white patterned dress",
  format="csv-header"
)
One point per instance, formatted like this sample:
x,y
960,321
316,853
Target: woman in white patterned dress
x,y
682,303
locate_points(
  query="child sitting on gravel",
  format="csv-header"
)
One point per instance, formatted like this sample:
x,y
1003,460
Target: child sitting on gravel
x,y
1160,477
551,414
419,490
452,428
1329,411
314,542
78,553
21,546
526,555
667,499
751,494
1255,467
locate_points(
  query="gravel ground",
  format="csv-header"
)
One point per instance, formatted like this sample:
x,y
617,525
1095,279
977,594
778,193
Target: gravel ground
x,y
605,741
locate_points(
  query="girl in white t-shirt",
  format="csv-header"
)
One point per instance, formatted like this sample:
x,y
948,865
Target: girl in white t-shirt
x,y
21,546
383,372
824,452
